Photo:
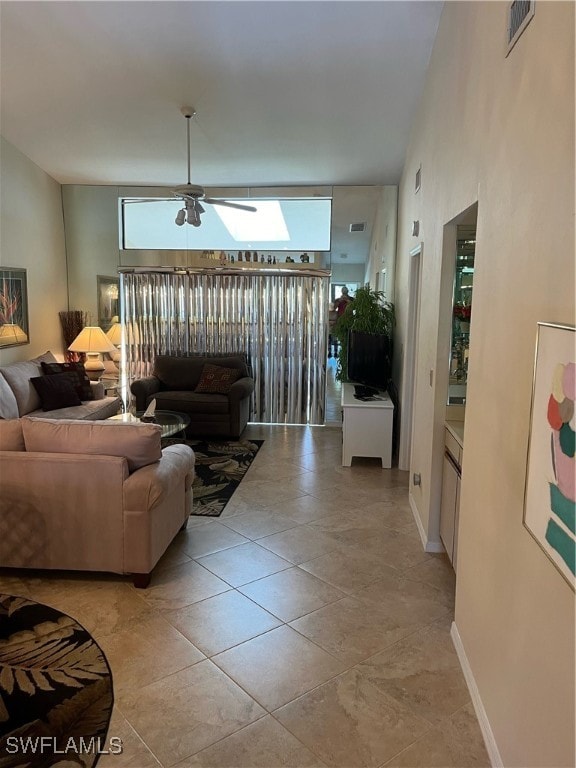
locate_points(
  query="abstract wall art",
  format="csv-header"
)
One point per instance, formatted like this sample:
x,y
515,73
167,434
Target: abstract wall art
x,y
13,307
550,491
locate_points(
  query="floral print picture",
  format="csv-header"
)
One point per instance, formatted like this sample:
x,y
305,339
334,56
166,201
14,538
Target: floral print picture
x,y
550,498
13,307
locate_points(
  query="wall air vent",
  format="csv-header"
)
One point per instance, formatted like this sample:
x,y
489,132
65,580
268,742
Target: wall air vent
x,y
360,226
520,13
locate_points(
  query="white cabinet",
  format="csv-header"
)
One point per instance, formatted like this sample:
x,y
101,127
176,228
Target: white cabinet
x,y
450,504
366,427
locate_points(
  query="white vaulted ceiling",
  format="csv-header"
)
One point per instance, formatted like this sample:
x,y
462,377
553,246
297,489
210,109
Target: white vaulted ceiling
x,y
286,93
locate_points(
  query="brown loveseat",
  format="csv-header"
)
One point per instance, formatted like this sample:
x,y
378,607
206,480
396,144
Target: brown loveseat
x,y
90,495
173,385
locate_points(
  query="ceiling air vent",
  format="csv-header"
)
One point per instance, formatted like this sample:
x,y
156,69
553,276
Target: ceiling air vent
x,y
520,13
360,226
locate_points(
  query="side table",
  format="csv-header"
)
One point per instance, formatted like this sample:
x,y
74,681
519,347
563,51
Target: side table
x,y
366,427
113,387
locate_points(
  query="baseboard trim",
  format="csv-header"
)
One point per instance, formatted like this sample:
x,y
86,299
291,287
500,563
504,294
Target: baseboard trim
x,y
429,546
484,723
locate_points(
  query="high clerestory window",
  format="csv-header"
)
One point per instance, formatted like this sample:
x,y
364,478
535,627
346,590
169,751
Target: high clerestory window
x,y
294,224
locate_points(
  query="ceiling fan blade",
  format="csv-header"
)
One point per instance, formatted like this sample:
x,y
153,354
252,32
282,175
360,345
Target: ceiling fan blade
x,y
240,207
149,200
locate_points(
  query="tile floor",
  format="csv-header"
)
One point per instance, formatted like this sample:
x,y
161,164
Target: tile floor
x,y
305,627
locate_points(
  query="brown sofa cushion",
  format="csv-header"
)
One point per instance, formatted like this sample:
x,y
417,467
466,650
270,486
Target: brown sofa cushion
x,y
56,391
77,374
139,444
216,380
11,437
184,372
192,403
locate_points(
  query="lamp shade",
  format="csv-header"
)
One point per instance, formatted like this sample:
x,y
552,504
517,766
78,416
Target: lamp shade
x,y
92,339
10,333
114,333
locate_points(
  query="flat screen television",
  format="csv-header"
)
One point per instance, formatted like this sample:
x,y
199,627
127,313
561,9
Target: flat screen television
x,y
369,359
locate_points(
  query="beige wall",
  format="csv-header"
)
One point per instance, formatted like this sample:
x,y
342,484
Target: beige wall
x,y
499,131
382,254
348,273
32,237
91,220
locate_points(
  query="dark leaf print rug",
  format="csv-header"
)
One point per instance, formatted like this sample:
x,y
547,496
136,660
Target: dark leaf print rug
x,y
56,692
220,466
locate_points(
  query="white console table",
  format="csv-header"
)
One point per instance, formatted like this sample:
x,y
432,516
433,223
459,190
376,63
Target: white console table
x,y
366,427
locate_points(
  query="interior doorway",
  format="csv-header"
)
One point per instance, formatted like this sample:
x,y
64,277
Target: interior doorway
x,y
410,368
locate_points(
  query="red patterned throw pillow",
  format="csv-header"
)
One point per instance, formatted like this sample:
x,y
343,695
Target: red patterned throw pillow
x,y
216,380
77,373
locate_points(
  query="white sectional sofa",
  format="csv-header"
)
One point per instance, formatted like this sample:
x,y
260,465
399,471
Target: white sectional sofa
x,y
18,397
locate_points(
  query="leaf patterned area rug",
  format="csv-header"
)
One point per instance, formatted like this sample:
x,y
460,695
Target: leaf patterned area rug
x,y
56,693
220,466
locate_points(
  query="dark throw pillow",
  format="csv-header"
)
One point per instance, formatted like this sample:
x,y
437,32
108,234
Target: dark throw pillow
x,y
215,380
81,381
56,391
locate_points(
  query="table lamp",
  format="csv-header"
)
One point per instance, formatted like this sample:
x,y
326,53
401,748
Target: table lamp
x,y
92,340
114,333
10,333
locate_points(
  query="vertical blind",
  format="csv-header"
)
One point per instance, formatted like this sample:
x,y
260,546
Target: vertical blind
x,y
279,319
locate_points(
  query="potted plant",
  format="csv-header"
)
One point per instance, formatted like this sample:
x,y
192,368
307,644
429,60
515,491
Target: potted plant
x,y
369,312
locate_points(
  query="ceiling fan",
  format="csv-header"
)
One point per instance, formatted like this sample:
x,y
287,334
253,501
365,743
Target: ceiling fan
x,y
191,194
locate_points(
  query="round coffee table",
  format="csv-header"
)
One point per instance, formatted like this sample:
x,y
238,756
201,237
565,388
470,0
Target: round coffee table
x,y
171,422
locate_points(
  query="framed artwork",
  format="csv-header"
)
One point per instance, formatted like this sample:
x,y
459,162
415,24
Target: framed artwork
x,y
108,300
13,307
550,498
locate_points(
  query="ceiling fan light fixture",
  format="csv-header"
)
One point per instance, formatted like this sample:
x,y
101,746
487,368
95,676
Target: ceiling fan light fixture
x,y
192,216
191,194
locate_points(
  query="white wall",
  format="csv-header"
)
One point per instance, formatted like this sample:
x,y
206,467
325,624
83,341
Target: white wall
x,y
499,131
32,238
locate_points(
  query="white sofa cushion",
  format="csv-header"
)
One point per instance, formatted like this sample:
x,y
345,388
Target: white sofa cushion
x,y
90,410
139,444
8,404
18,376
